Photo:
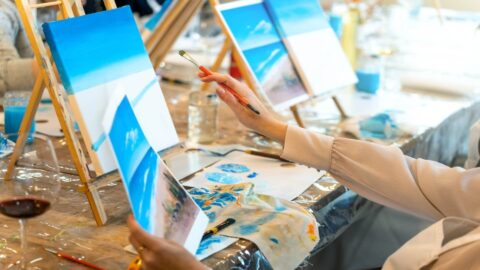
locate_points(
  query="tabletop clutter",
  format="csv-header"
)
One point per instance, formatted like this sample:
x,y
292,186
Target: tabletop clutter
x,y
122,116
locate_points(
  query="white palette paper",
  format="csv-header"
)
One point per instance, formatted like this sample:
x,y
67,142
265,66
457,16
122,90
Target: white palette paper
x,y
270,176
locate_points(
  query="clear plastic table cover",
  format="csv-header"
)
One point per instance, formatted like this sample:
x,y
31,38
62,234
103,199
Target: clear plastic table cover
x,y
70,227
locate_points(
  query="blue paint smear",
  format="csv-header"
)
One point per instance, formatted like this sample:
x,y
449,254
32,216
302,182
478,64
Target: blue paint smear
x,y
222,178
142,93
252,175
234,168
198,191
96,145
274,240
212,216
205,244
248,229
280,208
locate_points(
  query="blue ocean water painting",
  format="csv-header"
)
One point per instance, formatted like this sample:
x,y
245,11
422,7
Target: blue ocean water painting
x,y
87,55
128,140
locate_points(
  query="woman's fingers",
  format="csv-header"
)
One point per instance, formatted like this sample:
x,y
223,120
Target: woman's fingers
x,y
139,236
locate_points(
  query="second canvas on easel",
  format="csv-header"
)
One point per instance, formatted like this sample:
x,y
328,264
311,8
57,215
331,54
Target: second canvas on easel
x,y
287,44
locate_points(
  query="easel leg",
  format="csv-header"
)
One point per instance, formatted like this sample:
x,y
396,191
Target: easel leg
x,y
297,117
339,107
26,125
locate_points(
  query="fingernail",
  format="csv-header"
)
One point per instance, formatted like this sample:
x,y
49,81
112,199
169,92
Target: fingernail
x,y
221,91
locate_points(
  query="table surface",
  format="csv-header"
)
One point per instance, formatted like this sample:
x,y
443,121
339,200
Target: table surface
x,y
69,225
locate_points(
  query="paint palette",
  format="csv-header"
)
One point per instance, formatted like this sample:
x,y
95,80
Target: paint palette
x,y
269,176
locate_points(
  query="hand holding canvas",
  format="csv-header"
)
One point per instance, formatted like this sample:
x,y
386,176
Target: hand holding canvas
x,y
158,253
264,123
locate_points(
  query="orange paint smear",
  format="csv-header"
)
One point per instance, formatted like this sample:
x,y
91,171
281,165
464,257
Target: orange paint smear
x,y
311,232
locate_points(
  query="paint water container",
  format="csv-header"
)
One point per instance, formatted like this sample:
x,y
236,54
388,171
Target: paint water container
x,y
202,117
369,74
14,105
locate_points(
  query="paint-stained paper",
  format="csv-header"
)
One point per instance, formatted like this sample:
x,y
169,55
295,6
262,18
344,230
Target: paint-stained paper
x,y
284,231
270,176
159,202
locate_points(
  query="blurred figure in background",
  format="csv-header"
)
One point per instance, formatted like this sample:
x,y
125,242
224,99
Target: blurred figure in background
x,y
18,68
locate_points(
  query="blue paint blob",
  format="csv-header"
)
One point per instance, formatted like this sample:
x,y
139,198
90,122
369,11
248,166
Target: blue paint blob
x,y
234,168
280,208
212,216
222,178
199,191
252,175
227,197
205,244
274,240
248,229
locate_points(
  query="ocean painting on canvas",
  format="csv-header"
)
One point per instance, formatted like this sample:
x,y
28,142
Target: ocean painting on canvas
x,y
254,33
100,54
159,202
312,44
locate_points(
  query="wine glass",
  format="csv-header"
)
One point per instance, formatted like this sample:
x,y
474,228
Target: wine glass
x,y
31,189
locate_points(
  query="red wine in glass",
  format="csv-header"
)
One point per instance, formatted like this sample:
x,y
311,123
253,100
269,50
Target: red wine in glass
x,y
24,207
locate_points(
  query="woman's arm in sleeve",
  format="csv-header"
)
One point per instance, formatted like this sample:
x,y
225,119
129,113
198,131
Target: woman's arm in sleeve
x,y
385,175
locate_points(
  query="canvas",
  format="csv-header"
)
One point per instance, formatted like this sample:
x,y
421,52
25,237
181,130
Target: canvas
x,y
276,226
159,202
252,30
271,177
97,55
312,44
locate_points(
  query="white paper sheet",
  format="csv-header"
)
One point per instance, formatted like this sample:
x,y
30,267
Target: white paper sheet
x,y
271,177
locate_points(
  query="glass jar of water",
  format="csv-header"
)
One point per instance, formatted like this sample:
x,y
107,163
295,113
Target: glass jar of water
x,y
202,117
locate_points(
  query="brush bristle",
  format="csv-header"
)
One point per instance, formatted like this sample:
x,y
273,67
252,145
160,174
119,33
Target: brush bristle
x,y
182,52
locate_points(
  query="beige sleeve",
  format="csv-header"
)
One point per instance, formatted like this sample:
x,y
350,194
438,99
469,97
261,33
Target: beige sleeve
x,y
385,175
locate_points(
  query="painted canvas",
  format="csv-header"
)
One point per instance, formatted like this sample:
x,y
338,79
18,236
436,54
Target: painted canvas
x,y
159,202
276,226
97,55
159,16
271,177
254,33
312,44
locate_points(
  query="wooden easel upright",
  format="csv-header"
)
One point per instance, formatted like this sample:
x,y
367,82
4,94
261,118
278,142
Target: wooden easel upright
x,y
48,79
228,46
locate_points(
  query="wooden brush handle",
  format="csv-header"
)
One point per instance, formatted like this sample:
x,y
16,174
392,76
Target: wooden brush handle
x,y
239,97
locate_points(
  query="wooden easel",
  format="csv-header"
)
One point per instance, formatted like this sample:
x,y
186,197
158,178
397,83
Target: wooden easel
x,y
228,46
48,79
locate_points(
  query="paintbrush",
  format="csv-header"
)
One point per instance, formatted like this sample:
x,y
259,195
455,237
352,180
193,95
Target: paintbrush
x,y
73,259
241,99
219,227
250,152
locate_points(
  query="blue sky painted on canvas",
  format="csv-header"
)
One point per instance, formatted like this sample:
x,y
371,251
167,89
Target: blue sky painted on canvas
x,y
297,16
138,162
152,23
254,31
251,25
97,48
128,140
263,59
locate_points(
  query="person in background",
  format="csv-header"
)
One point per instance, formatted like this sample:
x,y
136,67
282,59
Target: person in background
x,y
383,174
18,68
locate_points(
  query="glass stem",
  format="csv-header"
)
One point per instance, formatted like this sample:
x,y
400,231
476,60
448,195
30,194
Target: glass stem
x,y
23,243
